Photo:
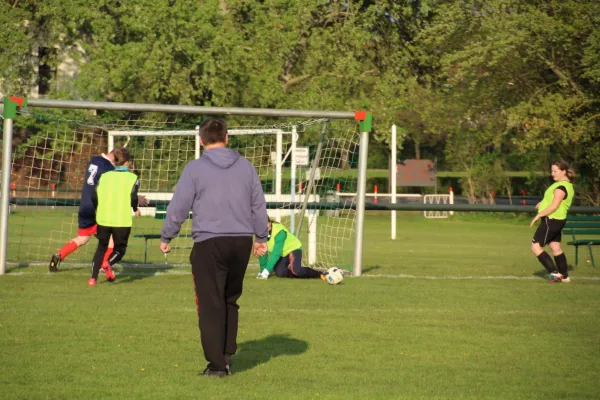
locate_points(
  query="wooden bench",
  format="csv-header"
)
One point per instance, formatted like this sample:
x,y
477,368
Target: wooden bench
x,y
161,213
584,225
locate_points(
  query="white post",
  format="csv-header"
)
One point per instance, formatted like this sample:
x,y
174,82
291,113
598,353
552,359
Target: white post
x,y
393,182
197,145
5,192
111,142
293,181
278,162
451,200
360,202
312,236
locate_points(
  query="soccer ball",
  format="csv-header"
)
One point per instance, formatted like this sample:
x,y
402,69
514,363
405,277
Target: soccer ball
x,y
334,276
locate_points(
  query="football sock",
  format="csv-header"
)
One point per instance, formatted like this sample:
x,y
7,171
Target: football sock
x,y
546,261
561,263
106,255
67,249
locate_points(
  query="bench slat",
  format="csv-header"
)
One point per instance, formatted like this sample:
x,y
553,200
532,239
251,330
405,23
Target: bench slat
x,y
582,225
583,241
583,218
581,231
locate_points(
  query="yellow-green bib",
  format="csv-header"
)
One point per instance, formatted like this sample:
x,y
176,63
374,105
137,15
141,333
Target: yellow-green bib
x,y
114,199
291,242
563,207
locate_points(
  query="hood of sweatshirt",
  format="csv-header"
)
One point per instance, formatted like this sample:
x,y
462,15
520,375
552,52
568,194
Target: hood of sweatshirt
x,y
222,157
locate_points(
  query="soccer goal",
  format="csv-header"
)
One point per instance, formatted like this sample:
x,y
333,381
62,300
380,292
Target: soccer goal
x,y
300,156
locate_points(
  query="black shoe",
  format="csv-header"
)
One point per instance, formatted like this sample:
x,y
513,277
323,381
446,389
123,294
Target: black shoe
x,y
54,263
214,374
228,364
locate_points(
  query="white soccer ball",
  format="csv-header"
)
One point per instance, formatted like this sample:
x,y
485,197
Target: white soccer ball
x,y
334,276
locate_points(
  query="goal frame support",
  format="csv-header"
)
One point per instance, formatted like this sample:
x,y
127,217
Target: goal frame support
x,y
9,114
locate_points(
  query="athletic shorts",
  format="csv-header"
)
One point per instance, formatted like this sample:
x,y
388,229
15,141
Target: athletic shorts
x,y
87,231
87,221
549,230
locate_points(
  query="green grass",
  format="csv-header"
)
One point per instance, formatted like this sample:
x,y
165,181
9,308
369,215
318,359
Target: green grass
x,y
453,309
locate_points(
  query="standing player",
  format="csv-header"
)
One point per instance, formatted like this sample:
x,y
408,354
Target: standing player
x,y
552,212
115,196
284,255
86,218
224,193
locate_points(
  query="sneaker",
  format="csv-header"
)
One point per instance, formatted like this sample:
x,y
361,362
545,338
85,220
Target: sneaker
x,y
228,364
91,282
214,374
555,277
110,275
566,280
54,263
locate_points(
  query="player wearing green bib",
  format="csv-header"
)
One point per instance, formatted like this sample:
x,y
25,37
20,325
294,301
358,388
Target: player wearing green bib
x,y
552,214
284,255
114,198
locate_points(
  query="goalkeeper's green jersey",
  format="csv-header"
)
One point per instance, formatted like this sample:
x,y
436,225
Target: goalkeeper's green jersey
x,y
116,196
280,244
565,204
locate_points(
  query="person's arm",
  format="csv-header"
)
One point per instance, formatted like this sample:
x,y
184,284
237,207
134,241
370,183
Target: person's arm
x,y
275,255
95,197
263,260
134,195
559,195
259,211
180,206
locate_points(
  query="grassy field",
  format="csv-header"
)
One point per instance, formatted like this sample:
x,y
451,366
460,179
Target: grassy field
x,y
453,309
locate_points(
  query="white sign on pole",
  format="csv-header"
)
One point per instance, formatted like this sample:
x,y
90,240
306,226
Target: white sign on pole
x,y
317,175
302,157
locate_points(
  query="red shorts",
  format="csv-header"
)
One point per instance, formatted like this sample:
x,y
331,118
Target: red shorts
x,y
88,231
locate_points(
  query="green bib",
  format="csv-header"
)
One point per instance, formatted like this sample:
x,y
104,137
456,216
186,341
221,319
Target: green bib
x,y
291,242
563,207
114,199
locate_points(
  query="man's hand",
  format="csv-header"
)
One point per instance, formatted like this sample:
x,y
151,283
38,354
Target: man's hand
x,y
138,213
143,201
260,249
165,247
264,274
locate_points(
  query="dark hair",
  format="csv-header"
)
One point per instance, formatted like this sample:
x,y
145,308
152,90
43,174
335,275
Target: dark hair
x,y
563,166
213,131
121,155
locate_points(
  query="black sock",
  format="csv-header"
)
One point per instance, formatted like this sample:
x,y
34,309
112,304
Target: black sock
x,y
547,262
561,263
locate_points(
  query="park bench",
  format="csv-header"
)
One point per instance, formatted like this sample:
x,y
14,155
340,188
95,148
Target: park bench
x,y
161,213
579,226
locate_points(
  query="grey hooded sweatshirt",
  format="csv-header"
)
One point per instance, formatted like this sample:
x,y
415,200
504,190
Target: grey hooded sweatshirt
x,y
224,193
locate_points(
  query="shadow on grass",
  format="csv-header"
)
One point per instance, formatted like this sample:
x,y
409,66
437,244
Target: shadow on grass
x,y
129,273
542,273
370,269
255,352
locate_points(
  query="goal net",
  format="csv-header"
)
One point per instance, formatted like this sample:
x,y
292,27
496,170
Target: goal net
x,y
52,147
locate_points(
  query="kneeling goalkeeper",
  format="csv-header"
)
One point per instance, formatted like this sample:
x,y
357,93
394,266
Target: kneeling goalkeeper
x,y
284,256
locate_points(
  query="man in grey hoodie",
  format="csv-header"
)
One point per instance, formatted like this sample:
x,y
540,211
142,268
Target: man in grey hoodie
x,y
225,196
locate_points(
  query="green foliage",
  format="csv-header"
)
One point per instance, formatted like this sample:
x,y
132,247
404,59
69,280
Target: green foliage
x,y
505,77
